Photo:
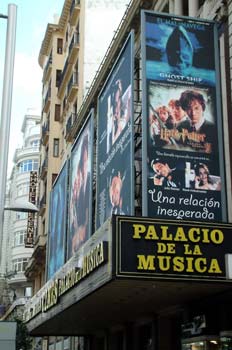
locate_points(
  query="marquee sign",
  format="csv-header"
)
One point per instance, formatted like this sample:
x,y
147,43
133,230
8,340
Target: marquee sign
x,y
153,248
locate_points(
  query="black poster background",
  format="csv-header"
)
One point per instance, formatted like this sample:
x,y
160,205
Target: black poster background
x,y
57,224
181,194
114,146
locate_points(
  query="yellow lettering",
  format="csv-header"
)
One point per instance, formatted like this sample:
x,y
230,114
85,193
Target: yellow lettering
x,y
193,234
217,236
138,229
151,233
214,267
146,263
200,265
189,264
165,236
161,247
164,262
178,264
205,232
180,235
197,250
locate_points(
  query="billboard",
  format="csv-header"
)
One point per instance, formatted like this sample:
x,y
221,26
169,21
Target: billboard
x,y
151,248
80,188
115,185
183,163
57,223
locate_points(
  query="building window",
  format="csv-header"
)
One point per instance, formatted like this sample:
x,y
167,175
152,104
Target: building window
x,y
57,113
28,165
21,215
35,143
59,46
56,147
54,176
19,265
23,189
58,77
19,238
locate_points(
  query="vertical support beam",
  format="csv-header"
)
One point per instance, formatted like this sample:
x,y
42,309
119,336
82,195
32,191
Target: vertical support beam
x,y
178,7
171,6
193,7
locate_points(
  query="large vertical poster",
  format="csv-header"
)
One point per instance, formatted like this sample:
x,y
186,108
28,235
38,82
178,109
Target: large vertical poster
x,y
57,223
182,141
80,188
115,179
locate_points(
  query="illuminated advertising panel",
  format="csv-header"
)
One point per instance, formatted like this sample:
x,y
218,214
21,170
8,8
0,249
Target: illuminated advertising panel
x,y
80,189
151,248
115,179
57,224
183,163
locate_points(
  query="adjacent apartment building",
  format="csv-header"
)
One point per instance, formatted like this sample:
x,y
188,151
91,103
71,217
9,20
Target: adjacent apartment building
x,y
16,247
133,249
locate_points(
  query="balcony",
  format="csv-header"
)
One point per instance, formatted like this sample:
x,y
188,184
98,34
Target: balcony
x,y
63,79
45,133
44,168
72,87
42,205
24,152
47,101
74,11
69,124
74,48
47,69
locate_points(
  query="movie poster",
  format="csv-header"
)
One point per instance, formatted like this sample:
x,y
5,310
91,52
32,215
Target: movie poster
x,y
80,189
115,185
181,118
57,224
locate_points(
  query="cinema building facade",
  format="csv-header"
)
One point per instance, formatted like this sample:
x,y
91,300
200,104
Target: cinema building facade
x,y
138,252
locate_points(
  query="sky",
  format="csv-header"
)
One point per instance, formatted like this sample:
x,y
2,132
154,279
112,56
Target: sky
x,y
32,20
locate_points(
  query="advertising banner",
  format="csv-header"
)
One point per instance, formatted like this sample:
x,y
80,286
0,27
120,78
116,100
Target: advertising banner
x,y
183,163
57,223
80,188
115,185
153,248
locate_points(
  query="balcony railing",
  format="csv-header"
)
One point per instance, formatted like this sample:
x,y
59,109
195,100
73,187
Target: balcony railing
x,y
69,124
24,151
42,205
74,47
45,133
72,87
47,100
48,68
44,168
74,9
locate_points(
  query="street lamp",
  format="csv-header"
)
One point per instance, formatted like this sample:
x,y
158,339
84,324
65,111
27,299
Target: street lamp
x,y
6,103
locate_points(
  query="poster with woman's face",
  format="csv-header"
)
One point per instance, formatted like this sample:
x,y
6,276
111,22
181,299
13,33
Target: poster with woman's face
x,y
57,224
80,200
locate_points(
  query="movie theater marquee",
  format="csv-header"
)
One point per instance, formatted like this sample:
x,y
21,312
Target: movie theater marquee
x,y
165,249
